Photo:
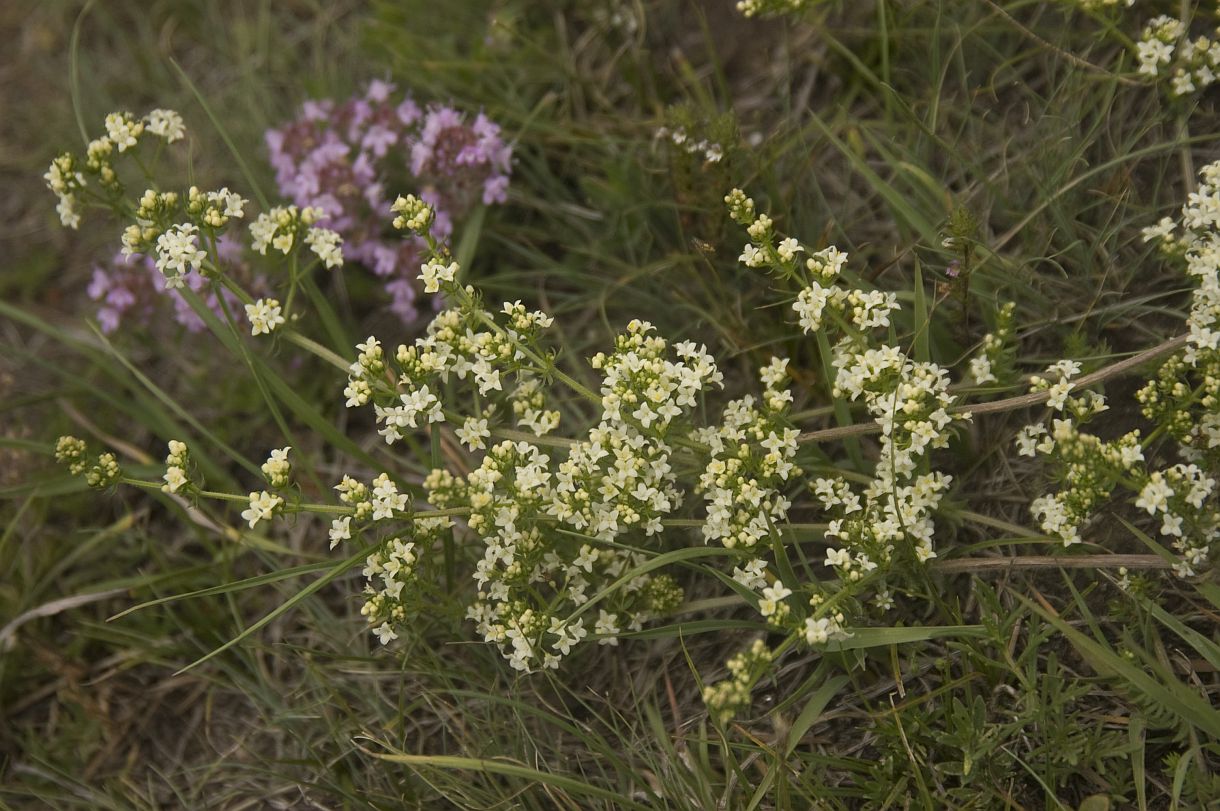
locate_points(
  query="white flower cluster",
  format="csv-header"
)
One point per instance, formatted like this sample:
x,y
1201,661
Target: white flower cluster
x,y
265,316
381,502
279,228
277,469
263,506
1165,51
1182,496
393,565
730,696
993,354
893,521
820,630
463,340
1089,467
754,8
327,245
819,297
66,177
214,209
741,207
529,406
750,461
178,254
1185,396
711,151
640,386
1057,382
175,471
166,124
66,180
123,130
909,399
368,368
811,302
1183,399
892,518
456,343
866,309
104,472
155,211
531,578
392,575
73,453
474,433
432,273
415,409
619,477
412,214
1200,240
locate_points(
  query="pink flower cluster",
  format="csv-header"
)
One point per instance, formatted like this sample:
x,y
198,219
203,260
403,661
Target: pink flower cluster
x,y
351,158
131,288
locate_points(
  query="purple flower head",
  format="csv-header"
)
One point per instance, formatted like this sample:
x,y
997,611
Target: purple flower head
x,y
131,289
379,91
351,158
123,288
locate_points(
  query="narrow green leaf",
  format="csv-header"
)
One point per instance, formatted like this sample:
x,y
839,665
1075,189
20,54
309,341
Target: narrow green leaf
x,y
229,588
334,572
862,638
923,326
812,711
509,769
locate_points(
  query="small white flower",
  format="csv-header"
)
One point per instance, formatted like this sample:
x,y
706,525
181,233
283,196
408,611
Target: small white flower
x,y
340,530
178,253
980,370
818,631
607,628
262,506
752,257
836,558
385,634
753,575
69,217
265,316
413,214
433,273
175,478
123,130
277,468
473,432
357,392
1028,437
772,598
327,245
166,124
788,249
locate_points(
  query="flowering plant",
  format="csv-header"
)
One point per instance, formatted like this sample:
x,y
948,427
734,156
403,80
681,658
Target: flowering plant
x,y
555,527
